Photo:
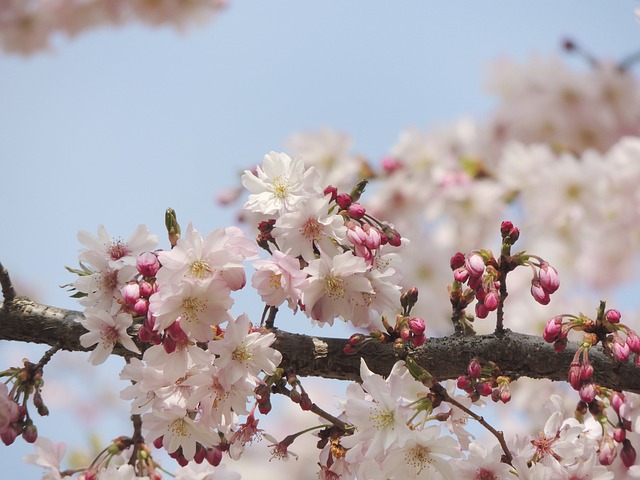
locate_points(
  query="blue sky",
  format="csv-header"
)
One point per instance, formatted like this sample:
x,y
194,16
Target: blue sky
x,y
117,125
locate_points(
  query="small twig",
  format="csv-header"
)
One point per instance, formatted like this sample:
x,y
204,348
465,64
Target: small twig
x,y
503,269
271,318
345,427
136,438
507,458
47,356
8,292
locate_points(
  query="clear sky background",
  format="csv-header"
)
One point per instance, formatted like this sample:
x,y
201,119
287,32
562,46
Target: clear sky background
x,y
118,124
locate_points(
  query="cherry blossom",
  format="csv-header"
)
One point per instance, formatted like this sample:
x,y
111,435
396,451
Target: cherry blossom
x,y
105,331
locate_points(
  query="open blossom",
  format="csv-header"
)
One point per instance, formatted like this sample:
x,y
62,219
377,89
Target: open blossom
x,y
199,306
243,354
279,184
379,416
48,455
105,330
204,471
332,285
116,251
178,430
278,279
309,225
218,255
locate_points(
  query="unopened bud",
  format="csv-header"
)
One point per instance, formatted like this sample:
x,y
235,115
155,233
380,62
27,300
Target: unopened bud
x,y
464,382
30,433
619,434
475,265
356,211
607,452
587,392
213,456
358,190
549,279
172,225
612,316
628,454
343,200
331,190
409,298
474,368
148,264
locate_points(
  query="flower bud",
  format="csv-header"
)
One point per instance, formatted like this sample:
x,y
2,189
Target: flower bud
x,y
419,340
409,298
416,324
560,344
148,264
552,329
549,278
539,294
607,452
356,211
586,371
575,378
633,341
483,388
200,454
582,408
30,433
393,237
457,261
464,382
481,310
619,434
474,368
617,400
130,293
587,392
475,265
391,164
141,307
628,454
305,402
620,349
343,200
612,316
146,288
491,300
460,274
331,190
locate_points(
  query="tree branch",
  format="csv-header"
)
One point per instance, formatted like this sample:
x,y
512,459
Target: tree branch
x,y
517,354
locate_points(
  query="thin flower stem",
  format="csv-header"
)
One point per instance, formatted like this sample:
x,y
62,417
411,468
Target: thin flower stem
x,y
47,356
8,292
507,458
137,438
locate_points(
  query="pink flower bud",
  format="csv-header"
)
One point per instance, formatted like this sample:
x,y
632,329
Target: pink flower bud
x,y
481,310
460,274
405,333
474,368
130,293
391,164
419,340
199,455
464,382
356,211
549,278
539,294
560,344
331,190
586,372
8,435
475,265
612,316
141,307
305,402
617,400
148,264
483,388
416,325
575,378
158,442
505,395
343,200
457,261
30,433
175,331
620,349
169,344
146,289
628,454
607,452
393,237
587,392
619,434
491,300
552,329
633,341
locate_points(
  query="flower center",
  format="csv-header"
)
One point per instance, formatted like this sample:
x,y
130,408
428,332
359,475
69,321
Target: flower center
x,y
334,287
240,354
275,280
312,229
484,474
191,308
381,418
118,249
109,336
280,187
200,269
418,457
179,427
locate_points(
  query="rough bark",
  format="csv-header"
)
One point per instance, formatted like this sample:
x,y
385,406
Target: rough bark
x,y
517,355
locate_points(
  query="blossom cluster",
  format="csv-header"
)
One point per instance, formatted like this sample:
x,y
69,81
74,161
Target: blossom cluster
x,y
329,256
26,26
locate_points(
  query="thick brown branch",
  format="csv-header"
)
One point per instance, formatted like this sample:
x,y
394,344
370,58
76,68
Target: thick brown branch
x,y
517,355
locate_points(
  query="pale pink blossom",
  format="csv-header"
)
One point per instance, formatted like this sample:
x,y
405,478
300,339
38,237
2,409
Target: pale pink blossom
x,y
278,279
105,331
